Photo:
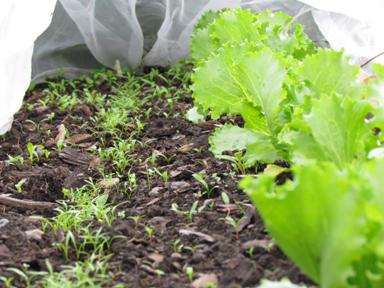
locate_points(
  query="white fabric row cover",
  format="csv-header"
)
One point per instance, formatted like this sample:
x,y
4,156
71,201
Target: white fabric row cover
x,y
86,34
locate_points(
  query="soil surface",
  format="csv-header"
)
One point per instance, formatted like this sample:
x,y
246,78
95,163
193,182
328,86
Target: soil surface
x,y
234,256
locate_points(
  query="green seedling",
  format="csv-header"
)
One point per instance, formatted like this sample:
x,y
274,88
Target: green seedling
x,y
22,275
177,246
195,209
164,175
150,231
34,152
234,223
15,160
93,272
239,162
7,281
201,178
190,273
225,198
136,219
19,185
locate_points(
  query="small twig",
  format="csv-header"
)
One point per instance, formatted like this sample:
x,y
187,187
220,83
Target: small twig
x,y
27,204
370,60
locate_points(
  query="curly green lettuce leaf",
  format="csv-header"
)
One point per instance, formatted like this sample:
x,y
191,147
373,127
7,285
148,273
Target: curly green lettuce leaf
x,y
232,26
208,18
237,77
335,130
267,29
261,76
330,222
215,87
230,138
328,72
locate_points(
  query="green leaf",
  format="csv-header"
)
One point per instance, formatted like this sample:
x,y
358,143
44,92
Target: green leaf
x,y
261,76
329,71
227,84
231,138
208,18
202,45
264,151
330,222
338,131
267,29
215,85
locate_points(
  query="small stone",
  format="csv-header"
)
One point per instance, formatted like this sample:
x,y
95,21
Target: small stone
x,y
179,186
176,265
205,281
155,191
5,253
3,222
176,256
108,183
35,234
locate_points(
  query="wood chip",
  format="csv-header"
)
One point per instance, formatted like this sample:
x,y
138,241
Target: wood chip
x,y
263,243
78,158
156,258
250,212
150,203
228,208
26,204
60,134
186,148
179,186
190,232
78,138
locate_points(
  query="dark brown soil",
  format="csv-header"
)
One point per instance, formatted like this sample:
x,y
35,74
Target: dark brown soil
x,y
138,258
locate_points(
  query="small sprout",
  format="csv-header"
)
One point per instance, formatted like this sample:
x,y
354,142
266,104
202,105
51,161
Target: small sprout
x,y
177,246
121,215
201,178
15,160
250,251
19,185
225,198
190,273
34,152
136,219
193,211
150,231
7,281
159,272
164,175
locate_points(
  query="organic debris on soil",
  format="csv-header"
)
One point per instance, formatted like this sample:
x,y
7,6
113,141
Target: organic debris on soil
x,y
168,229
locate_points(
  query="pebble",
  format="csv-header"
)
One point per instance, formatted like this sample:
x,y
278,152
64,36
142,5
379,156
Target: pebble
x,y
5,253
3,222
205,281
155,191
35,234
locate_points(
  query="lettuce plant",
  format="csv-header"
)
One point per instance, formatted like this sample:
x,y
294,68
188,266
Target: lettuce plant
x,y
330,222
296,106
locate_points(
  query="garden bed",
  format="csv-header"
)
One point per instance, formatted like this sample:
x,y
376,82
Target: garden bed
x,y
174,213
